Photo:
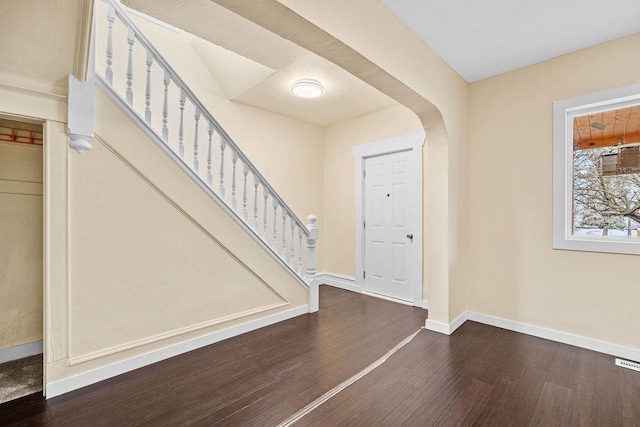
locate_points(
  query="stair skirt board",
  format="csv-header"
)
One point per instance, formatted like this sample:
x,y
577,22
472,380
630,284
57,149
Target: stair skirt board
x,y
84,379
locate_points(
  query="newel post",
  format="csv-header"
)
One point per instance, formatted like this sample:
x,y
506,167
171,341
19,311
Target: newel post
x,y
312,239
314,233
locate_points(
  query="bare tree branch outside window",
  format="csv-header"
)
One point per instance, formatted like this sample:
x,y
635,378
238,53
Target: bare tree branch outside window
x,y
604,202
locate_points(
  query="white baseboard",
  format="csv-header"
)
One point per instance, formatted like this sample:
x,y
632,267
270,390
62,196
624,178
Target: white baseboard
x,y
20,351
348,283
435,326
459,321
558,336
341,281
386,298
84,379
445,328
536,331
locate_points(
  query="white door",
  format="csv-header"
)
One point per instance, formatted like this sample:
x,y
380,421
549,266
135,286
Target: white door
x,y
388,226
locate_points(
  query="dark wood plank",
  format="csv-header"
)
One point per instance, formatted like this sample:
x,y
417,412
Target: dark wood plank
x,y
586,365
553,406
513,404
543,353
607,409
467,405
368,401
480,375
630,394
506,362
581,403
468,350
564,369
441,391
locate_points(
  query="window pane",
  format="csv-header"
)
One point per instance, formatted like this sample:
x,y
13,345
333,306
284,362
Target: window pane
x,y
606,174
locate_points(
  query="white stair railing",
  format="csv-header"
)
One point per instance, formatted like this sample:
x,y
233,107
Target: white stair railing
x,y
168,111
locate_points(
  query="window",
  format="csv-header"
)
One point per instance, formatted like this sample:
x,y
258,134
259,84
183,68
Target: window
x,y
596,172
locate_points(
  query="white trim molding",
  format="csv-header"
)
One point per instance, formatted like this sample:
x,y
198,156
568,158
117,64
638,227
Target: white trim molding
x,y
413,142
564,112
386,298
20,351
446,328
84,379
348,283
536,331
314,296
558,336
83,358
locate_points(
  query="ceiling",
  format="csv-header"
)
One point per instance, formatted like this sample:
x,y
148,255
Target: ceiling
x,y
481,39
36,29
607,128
478,39
256,67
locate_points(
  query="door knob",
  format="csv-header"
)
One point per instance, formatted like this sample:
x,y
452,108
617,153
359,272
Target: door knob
x,y
410,236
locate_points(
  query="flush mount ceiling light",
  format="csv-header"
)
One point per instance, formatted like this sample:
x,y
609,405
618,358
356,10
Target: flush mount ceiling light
x,y
307,89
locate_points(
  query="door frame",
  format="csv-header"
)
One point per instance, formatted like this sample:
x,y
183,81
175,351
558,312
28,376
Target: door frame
x,y
50,110
10,115
413,143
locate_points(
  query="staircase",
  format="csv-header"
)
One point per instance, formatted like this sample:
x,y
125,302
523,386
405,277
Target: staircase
x,y
132,72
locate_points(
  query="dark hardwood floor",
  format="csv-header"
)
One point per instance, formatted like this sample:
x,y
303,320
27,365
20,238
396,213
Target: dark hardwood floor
x,y
480,375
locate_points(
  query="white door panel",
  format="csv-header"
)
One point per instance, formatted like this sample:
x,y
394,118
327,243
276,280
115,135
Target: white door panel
x,y
387,248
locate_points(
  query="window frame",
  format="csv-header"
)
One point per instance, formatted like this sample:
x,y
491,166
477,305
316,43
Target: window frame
x,y
563,113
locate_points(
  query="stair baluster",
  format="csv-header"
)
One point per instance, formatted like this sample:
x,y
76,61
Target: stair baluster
x,y
275,225
245,172
299,270
196,164
183,98
265,228
234,161
284,235
209,173
111,17
223,145
147,91
292,260
255,202
131,38
165,107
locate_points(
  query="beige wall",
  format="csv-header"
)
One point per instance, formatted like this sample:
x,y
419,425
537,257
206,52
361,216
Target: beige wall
x,y
514,273
153,260
21,286
339,178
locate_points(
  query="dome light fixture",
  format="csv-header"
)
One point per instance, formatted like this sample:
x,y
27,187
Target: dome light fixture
x,y
307,89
